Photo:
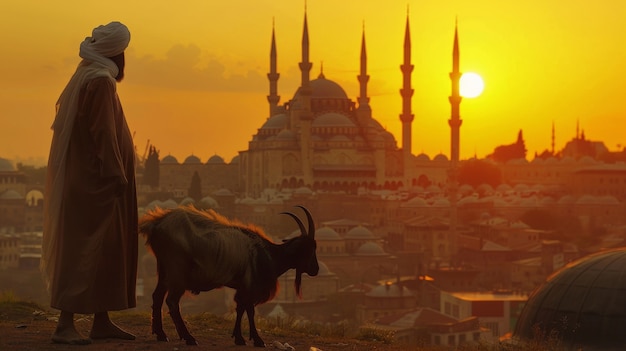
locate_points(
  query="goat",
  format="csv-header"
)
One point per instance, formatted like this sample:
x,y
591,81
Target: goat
x,y
200,250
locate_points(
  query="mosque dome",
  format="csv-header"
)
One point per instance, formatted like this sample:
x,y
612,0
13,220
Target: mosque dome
x,y
370,249
215,160
209,202
361,233
441,158
235,160
326,234
6,165
322,88
192,160
333,119
278,121
169,159
583,303
223,192
422,157
285,134
187,201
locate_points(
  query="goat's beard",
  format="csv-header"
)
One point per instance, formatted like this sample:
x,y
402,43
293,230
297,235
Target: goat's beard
x,y
298,283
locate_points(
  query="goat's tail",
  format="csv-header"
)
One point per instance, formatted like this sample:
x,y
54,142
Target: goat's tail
x,y
149,221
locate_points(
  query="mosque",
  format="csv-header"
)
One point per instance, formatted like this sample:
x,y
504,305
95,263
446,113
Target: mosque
x,y
322,139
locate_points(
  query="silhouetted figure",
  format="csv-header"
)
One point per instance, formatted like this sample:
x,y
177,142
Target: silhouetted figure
x,y
90,227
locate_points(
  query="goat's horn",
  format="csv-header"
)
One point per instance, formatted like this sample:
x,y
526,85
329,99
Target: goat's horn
x,y
297,221
309,218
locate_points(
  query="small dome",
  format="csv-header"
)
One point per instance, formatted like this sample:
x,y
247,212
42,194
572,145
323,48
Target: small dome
x,y
215,160
192,159
370,249
326,234
361,233
390,290
223,192
276,122
422,158
169,204
415,202
582,304
6,165
209,202
235,160
303,191
169,159
10,194
441,158
187,201
333,119
285,134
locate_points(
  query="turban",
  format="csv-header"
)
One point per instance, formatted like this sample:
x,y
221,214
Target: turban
x,y
108,40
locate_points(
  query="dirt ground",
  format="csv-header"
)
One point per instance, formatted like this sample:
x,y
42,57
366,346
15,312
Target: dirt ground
x,y
26,331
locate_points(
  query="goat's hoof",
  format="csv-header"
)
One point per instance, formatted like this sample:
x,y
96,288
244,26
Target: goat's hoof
x,y
259,343
162,337
240,341
191,342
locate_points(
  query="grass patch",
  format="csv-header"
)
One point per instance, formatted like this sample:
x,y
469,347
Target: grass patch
x,y
14,308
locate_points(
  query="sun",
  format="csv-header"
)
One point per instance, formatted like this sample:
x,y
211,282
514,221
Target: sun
x,y
471,85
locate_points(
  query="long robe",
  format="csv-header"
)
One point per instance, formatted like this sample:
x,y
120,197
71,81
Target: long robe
x,y
96,255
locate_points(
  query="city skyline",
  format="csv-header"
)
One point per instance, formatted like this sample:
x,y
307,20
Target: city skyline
x,y
541,64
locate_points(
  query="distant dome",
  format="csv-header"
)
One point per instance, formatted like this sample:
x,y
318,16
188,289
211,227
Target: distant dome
x,y
169,204
422,157
360,232
390,290
326,234
209,202
441,202
441,158
192,159
322,88
223,192
215,160
169,159
187,201
235,160
6,165
370,249
285,134
415,202
333,119
10,194
276,122
582,303
303,191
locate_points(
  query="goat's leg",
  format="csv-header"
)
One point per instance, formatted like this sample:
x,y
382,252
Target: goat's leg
x,y
254,334
173,301
239,340
157,304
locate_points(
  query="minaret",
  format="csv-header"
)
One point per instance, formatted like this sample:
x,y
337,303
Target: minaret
x,y
304,116
553,137
273,76
455,126
364,111
407,93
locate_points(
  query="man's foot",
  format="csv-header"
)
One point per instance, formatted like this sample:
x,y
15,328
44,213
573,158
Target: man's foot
x,y
69,336
108,330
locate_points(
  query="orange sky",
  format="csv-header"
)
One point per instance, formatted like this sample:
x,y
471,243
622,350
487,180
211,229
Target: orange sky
x,y
196,73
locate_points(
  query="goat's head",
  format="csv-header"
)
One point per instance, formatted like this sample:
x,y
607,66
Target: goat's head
x,y
306,246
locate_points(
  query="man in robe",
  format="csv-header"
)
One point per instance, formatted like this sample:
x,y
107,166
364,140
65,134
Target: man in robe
x,y
90,238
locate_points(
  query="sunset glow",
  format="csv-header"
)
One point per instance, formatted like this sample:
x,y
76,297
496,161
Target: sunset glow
x,y
196,71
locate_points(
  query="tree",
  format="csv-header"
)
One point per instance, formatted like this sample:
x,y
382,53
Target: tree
x,y
195,189
477,172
